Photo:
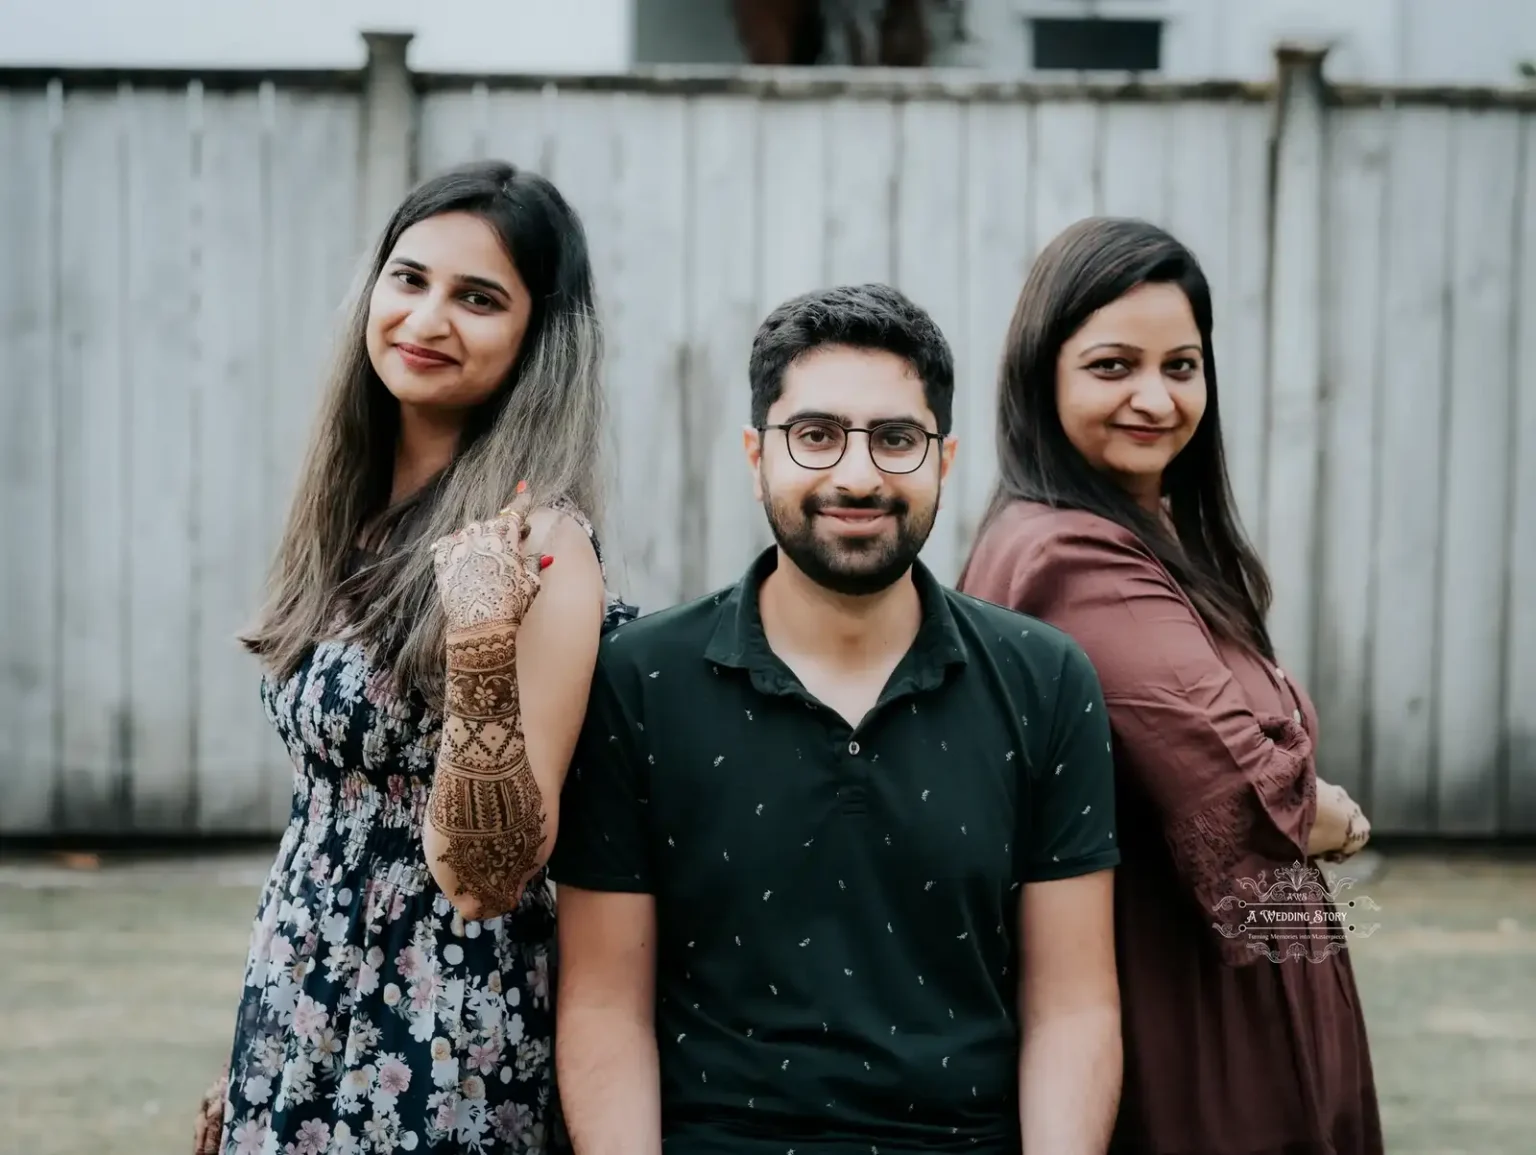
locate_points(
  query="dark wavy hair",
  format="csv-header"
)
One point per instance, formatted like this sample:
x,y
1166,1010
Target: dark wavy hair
x,y
1090,265
872,316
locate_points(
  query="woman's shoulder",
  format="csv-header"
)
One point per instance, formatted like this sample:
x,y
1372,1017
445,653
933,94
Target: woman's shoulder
x,y
616,611
1033,555
561,524
1043,534
558,509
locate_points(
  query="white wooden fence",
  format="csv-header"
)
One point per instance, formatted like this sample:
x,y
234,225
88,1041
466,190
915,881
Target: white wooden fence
x,y
177,248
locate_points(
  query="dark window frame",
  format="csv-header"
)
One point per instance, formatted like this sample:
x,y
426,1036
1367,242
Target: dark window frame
x,y
1096,44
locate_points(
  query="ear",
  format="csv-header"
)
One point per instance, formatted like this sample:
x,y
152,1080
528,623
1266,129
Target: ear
x,y
752,445
947,456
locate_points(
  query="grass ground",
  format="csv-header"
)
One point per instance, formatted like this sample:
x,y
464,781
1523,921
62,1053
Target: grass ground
x,y
118,983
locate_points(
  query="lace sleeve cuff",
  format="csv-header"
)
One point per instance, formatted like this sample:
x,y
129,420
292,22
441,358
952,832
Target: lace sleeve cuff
x,y
1261,826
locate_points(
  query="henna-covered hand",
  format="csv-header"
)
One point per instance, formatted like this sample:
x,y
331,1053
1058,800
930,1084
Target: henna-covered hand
x,y
486,804
209,1127
483,576
1357,832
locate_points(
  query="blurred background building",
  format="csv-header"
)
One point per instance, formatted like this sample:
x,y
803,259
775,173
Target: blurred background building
x,y
1481,42
1401,41
450,35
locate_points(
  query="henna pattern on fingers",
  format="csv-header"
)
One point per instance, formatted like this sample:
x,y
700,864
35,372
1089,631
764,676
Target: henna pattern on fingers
x,y
483,577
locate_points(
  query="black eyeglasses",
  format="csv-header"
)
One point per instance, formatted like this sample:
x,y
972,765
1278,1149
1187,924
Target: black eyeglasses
x,y
894,446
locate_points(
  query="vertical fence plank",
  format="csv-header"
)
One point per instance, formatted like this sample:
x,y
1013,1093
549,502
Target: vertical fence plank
x,y
1295,363
651,336
521,127
388,122
452,127
158,432
319,255
1065,167
723,523
861,171
997,256
1519,642
1197,184
235,338
930,255
1409,457
1242,324
1357,157
792,217
1133,158
93,508
1475,529
584,168
29,436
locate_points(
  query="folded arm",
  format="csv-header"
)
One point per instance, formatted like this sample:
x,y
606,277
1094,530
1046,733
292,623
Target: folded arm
x,y
1235,789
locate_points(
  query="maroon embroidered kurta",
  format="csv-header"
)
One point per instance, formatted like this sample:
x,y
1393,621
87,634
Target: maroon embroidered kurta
x,y
1226,1051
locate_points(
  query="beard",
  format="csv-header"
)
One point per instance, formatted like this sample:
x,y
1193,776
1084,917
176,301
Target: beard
x,y
853,567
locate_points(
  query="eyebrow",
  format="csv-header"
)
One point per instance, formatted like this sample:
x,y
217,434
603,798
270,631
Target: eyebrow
x,y
844,420
1135,348
464,279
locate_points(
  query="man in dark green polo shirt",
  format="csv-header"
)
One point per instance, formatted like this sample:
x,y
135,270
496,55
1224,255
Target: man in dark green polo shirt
x,y
835,848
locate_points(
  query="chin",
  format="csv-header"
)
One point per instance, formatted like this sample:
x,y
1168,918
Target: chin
x,y
423,398
425,395
1133,476
1140,467
1147,463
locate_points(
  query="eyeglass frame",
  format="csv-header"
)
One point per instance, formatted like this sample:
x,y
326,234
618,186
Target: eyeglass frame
x,y
929,438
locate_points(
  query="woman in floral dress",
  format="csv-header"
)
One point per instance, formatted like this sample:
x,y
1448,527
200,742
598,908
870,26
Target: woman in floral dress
x,y
432,623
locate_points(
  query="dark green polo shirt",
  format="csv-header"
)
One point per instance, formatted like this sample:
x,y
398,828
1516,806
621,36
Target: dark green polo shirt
x,y
837,909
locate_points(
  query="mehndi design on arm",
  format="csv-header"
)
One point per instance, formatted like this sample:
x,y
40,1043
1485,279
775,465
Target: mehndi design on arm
x,y
485,800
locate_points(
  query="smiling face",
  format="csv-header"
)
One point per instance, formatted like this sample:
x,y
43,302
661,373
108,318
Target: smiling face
x,y
447,315
846,523
1130,386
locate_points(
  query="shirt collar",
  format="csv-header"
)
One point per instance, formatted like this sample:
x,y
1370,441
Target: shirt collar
x,y
740,643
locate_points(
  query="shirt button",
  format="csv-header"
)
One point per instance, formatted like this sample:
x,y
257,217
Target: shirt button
x,y
853,748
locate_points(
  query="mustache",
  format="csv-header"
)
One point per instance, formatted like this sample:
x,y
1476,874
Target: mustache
x,y
891,505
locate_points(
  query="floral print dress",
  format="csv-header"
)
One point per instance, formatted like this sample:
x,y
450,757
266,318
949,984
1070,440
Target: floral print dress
x,y
374,1017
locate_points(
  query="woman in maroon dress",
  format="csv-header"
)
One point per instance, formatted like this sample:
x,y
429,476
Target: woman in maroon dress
x,y
1113,521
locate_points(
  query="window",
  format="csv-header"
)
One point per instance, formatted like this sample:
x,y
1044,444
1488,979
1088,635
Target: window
x,y
1095,45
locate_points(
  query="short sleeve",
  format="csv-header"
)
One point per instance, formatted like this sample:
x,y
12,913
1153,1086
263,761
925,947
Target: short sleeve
x,y
1068,815
603,841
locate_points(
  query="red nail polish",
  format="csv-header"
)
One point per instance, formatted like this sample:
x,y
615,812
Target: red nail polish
x,y
522,486
545,561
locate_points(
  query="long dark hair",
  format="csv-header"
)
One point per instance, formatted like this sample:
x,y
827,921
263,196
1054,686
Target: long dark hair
x,y
1093,263
545,425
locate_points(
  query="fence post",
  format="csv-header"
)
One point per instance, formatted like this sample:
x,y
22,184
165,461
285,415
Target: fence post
x,y
388,166
1293,428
